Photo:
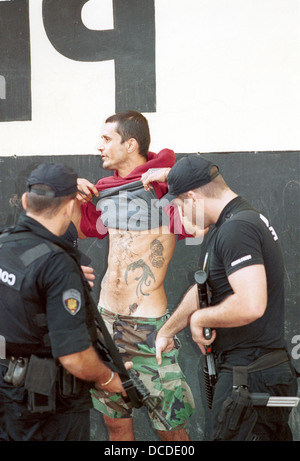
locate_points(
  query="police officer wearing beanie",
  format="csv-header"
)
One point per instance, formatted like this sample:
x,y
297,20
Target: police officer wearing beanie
x,y
46,319
245,280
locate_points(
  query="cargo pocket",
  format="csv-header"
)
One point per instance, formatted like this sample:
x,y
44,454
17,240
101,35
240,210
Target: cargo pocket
x,y
280,380
178,401
171,376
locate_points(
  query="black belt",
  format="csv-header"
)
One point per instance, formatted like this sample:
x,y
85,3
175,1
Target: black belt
x,y
263,362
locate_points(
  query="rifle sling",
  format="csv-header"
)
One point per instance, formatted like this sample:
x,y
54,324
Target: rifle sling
x,y
115,355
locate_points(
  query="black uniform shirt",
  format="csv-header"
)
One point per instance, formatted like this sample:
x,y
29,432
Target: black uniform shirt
x,y
244,237
44,311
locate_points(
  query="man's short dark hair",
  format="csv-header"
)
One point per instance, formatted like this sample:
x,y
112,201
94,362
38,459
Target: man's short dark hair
x,y
43,205
132,124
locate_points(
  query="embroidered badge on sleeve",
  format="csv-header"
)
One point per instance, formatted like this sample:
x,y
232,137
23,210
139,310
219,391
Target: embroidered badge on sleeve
x,y
72,301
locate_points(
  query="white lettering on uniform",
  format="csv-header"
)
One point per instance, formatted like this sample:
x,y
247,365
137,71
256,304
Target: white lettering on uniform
x,y
271,228
238,261
5,277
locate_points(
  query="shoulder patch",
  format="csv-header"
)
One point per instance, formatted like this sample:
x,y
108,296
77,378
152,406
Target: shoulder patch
x,y
72,301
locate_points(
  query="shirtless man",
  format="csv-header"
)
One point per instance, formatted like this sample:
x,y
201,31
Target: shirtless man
x,y
132,300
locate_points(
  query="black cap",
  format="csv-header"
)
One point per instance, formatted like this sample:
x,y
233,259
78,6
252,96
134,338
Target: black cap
x,y
188,173
62,180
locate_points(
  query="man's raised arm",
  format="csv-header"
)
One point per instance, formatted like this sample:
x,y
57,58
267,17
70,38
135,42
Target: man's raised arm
x,y
154,175
86,191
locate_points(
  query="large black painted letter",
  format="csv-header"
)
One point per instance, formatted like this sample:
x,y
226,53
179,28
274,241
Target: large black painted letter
x,y
131,44
15,71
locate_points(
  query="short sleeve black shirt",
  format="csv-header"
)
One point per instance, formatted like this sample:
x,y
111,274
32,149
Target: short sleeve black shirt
x,y
243,237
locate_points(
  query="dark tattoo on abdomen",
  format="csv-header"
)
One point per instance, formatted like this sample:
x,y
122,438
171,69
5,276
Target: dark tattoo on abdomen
x,y
133,308
156,255
145,278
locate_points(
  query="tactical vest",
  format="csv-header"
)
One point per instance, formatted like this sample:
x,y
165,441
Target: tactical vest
x,y
23,322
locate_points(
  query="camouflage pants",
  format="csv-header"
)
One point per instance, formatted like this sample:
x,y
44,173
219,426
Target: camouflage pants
x,y
135,339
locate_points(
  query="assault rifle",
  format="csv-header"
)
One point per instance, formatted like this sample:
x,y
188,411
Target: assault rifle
x,y
210,375
136,390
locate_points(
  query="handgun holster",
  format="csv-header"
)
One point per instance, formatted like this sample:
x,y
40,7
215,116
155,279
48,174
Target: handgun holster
x,y
238,415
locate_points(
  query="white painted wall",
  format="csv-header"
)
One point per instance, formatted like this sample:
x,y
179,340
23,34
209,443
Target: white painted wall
x,y
228,79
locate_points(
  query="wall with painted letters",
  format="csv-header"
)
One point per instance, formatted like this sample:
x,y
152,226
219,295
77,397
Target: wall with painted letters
x,y
212,76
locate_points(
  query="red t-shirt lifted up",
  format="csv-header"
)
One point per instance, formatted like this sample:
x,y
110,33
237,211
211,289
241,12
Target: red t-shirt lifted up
x,y
92,226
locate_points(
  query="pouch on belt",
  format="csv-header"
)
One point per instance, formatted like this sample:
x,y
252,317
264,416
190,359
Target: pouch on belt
x,y
40,383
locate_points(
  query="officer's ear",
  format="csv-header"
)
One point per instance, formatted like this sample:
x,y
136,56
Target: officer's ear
x,y
69,207
196,194
24,201
191,194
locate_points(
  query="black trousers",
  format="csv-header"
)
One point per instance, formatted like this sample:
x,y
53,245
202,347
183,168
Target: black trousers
x,y
17,423
3,435
21,426
272,422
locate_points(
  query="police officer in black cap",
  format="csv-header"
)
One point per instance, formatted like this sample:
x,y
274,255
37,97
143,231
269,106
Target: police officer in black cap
x,y
46,319
244,267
